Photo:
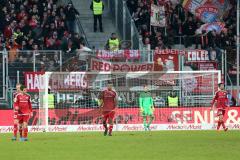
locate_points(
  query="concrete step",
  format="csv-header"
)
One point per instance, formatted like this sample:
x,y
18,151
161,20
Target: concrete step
x,y
103,38
106,20
96,39
97,45
90,15
105,25
106,31
98,34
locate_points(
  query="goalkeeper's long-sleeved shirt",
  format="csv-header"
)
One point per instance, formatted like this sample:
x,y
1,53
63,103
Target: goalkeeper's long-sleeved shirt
x,y
145,100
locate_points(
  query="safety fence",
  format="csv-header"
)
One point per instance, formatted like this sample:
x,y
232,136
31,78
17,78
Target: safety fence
x,y
17,63
124,23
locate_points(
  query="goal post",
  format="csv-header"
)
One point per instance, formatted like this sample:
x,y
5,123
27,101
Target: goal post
x,y
69,100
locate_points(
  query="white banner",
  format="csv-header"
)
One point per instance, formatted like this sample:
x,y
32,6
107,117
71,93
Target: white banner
x,y
158,16
122,127
101,65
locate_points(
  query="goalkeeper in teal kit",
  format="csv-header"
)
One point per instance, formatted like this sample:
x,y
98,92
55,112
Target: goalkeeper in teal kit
x,y
146,107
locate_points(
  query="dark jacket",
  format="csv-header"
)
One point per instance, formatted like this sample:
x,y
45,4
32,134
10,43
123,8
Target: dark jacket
x,y
71,13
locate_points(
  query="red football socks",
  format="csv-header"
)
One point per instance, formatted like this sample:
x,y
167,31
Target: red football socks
x,y
15,129
25,132
219,124
105,125
20,131
223,124
110,128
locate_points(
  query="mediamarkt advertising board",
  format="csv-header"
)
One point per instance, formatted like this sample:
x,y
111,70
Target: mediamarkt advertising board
x,y
126,119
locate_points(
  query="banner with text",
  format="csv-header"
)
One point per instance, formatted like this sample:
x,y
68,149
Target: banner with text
x,y
35,81
167,60
202,59
100,65
127,119
120,54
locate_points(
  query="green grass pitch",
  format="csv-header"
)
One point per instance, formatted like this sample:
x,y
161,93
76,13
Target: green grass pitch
x,y
161,145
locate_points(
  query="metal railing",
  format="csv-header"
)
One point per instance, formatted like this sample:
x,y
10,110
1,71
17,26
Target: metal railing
x,y
3,73
78,24
32,61
53,61
124,23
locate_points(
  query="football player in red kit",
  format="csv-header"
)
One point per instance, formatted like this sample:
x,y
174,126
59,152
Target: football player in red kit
x,y
16,124
220,101
108,104
23,103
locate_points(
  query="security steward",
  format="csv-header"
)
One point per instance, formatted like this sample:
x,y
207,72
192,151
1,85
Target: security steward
x,y
97,7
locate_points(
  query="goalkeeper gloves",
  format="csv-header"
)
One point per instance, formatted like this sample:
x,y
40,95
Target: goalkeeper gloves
x,y
153,109
99,101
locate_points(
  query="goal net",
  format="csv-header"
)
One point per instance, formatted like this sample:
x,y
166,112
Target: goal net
x,y
69,100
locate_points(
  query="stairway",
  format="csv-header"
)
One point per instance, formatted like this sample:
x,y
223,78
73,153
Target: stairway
x,y
95,39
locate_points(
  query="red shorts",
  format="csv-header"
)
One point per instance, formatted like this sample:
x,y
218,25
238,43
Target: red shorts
x,y
108,114
221,112
15,115
23,118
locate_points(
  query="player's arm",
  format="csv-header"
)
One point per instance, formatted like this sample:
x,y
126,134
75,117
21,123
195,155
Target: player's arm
x,y
152,104
16,104
213,103
116,101
30,105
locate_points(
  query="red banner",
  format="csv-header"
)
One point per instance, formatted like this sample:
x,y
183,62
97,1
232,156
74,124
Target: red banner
x,y
120,54
76,116
166,60
99,65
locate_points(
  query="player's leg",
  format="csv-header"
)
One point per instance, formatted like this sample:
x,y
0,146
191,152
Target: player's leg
x,y
149,113
25,128
144,121
110,121
151,118
25,132
219,114
220,121
105,118
223,123
20,128
15,128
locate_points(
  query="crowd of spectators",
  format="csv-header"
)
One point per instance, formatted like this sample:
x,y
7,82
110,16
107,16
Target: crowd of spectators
x,y
181,27
38,25
40,29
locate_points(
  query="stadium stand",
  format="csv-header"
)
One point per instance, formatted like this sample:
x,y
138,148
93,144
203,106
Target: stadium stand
x,y
36,24
28,27
46,30
181,27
